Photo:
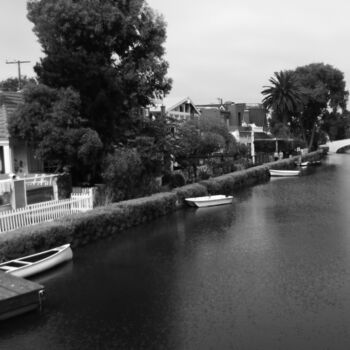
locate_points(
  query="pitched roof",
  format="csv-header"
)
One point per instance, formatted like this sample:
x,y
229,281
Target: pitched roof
x,y
171,103
9,102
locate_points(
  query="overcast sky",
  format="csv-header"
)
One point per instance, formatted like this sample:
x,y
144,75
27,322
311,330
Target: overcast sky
x,y
219,48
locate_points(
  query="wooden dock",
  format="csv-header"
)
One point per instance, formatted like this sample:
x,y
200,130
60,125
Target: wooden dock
x,y
18,295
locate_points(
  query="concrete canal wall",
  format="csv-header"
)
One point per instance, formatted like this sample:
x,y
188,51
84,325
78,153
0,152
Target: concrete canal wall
x,y
112,219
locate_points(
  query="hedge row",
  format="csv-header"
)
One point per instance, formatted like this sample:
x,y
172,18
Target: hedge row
x,y
112,219
80,229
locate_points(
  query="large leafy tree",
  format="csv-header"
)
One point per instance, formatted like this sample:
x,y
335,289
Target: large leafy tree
x,y
50,122
110,51
283,97
324,90
336,126
197,139
304,98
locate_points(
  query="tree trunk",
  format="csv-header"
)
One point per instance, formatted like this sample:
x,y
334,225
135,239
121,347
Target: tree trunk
x,y
303,134
312,136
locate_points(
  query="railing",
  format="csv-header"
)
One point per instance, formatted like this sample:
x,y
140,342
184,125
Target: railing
x,y
40,180
30,181
46,211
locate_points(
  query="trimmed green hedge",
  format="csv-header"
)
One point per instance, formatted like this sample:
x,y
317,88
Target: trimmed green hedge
x,y
112,219
228,183
80,229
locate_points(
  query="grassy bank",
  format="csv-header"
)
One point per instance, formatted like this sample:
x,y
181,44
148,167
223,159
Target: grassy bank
x,y
113,219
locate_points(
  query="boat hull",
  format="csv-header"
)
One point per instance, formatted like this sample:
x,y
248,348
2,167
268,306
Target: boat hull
x,y
283,173
209,201
29,268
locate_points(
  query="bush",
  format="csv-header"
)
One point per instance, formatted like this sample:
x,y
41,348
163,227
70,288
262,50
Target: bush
x,y
126,176
177,180
203,174
226,184
173,179
122,174
64,185
188,191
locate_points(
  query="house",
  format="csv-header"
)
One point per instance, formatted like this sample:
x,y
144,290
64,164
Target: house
x,y
228,113
234,115
175,108
15,156
247,122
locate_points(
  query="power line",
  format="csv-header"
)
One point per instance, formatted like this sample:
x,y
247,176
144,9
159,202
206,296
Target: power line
x,y
18,62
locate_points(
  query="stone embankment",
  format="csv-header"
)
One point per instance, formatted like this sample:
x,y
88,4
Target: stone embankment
x,y
115,218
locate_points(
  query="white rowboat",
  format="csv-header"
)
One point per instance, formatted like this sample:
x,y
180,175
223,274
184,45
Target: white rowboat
x,y
284,172
302,164
208,201
36,263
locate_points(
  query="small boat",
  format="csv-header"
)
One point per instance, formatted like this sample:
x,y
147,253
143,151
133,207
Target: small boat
x,y
36,263
284,172
302,164
209,201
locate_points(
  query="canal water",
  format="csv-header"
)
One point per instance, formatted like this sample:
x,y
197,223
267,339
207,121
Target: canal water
x,y
270,271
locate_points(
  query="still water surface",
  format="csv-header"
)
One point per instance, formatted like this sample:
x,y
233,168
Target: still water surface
x,y
270,271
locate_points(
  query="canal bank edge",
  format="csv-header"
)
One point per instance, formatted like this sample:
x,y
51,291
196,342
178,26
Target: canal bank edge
x,y
81,229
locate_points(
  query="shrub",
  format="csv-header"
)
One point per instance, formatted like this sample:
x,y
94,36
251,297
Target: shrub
x,y
228,183
177,180
192,190
174,179
64,185
122,174
203,174
126,175
32,239
166,179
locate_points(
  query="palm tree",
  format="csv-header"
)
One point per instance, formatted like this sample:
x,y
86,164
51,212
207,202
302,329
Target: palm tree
x,y
284,97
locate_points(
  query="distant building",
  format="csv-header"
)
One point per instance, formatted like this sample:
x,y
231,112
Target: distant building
x,y
255,113
235,115
247,122
178,109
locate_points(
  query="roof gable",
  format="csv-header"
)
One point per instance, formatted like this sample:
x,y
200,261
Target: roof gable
x,y
185,101
171,103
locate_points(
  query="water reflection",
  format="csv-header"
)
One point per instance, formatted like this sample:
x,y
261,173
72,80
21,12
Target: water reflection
x,y
59,272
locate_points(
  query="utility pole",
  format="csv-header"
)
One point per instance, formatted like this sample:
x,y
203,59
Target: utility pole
x,y
18,62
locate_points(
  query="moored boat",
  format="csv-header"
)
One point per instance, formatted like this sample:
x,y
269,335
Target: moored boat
x,y
302,164
208,201
274,172
39,262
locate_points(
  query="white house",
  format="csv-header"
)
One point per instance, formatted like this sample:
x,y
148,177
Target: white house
x,y
180,109
15,156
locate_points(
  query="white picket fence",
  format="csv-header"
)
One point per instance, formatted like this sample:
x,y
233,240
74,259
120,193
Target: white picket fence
x,y
84,200
45,211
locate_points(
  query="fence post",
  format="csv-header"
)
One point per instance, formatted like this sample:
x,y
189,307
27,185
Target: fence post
x,y
55,188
